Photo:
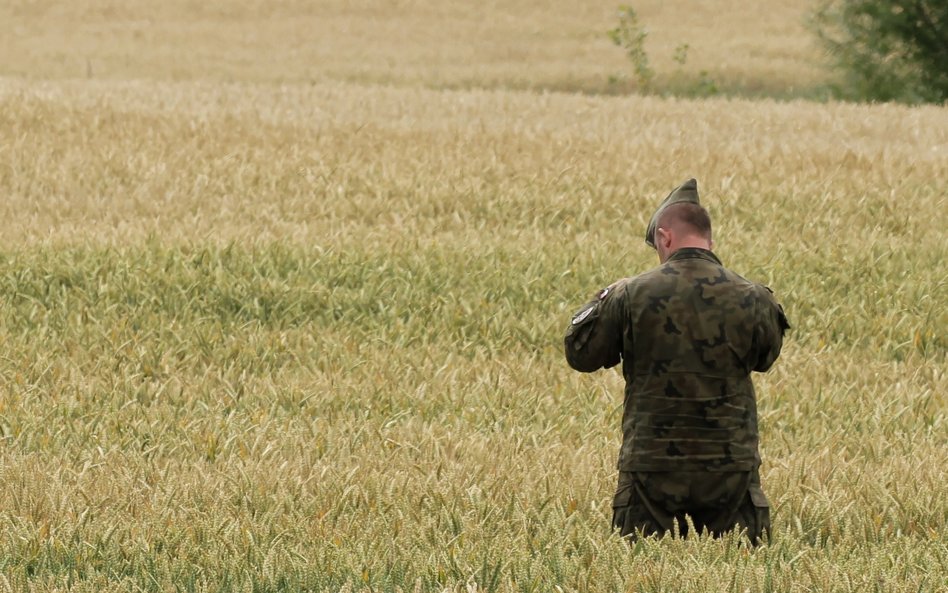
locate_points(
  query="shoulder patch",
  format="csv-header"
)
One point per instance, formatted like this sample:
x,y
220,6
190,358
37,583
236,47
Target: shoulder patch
x,y
582,315
616,286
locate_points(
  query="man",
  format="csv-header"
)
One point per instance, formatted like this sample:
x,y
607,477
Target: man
x,y
688,334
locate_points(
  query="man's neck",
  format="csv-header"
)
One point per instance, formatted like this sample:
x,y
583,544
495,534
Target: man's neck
x,y
695,242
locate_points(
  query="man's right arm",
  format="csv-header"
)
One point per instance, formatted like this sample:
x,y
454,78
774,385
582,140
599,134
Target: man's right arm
x,y
594,337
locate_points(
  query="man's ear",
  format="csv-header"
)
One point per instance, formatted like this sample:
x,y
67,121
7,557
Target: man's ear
x,y
662,235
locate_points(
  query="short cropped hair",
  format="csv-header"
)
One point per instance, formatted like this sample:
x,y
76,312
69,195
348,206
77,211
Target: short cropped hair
x,y
687,213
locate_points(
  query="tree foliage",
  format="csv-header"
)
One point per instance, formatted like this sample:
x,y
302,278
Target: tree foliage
x,y
888,50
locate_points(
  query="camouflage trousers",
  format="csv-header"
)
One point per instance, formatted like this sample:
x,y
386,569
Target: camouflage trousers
x,y
652,503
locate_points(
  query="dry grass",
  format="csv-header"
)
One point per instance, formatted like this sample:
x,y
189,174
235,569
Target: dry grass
x,y
305,336
758,48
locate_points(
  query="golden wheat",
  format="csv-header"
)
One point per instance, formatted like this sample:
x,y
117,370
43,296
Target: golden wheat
x,y
267,333
759,48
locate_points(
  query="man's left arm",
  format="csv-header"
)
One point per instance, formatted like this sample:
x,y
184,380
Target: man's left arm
x,y
772,324
594,337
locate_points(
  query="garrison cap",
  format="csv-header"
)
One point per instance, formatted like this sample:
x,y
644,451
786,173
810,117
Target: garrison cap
x,y
686,192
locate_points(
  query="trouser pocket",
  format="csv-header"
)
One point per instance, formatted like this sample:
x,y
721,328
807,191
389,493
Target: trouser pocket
x,y
629,513
755,515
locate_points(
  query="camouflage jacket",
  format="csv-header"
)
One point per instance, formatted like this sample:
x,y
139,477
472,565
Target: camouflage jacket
x,y
688,334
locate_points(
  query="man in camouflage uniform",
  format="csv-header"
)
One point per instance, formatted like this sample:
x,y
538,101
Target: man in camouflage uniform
x,y
688,334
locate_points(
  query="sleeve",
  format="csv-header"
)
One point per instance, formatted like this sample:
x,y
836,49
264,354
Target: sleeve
x,y
594,336
771,326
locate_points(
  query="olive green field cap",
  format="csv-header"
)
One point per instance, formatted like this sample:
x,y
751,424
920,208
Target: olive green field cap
x,y
686,192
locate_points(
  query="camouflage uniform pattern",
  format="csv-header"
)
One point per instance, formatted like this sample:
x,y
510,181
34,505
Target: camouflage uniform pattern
x,y
653,503
688,335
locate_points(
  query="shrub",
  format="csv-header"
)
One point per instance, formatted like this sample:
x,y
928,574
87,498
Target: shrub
x,y
888,50
630,35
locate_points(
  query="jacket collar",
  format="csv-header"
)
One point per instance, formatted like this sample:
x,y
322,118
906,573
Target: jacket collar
x,y
694,253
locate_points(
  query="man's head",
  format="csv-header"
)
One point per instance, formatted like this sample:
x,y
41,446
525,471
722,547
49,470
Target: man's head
x,y
683,221
683,224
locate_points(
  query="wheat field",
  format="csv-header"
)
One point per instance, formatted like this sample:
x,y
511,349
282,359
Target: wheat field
x,y
283,289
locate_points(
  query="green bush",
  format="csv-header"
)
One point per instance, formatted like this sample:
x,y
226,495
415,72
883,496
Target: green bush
x,y
887,50
630,35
